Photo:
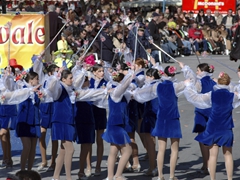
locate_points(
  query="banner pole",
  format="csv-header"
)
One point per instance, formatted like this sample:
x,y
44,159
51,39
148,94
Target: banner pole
x,y
9,26
9,43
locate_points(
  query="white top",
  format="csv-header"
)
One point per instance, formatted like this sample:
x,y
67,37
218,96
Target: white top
x,y
203,101
54,89
148,93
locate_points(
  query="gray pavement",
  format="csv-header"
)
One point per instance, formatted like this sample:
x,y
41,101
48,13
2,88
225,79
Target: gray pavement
x,y
189,161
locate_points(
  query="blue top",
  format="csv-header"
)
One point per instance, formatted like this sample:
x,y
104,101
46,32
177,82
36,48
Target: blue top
x,y
207,86
168,101
118,114
221,114
64,111
46,108
29,112
138,74
220,123
167,124
101,83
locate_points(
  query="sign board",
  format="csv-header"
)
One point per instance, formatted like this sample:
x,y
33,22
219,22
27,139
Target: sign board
x,y
221,5
27,37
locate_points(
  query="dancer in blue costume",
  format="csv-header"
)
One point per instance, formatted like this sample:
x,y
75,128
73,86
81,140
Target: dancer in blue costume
x,y
63,121
8,115
100,114
167,124
135,114
132,123
85,126
203,83
149,121
28,122
46,110
115,133
218,131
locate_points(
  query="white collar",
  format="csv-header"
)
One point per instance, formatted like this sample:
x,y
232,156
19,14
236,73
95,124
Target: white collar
x,y
203,74
220,86
169,78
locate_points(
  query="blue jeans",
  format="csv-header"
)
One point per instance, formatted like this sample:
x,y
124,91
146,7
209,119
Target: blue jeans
x,y
187,44
155,55
204,43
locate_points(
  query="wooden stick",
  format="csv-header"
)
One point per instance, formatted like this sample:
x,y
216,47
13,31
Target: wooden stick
x,y
9,26
9,44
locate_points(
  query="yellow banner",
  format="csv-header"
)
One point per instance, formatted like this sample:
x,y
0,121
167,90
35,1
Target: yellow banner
x,y
26,36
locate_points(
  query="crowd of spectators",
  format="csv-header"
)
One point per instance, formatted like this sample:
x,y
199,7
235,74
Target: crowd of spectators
x,y
178,33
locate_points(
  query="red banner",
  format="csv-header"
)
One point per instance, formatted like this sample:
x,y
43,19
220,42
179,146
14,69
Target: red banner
x,y
221,5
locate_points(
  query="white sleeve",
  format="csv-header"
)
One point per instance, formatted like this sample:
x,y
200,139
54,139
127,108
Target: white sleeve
x,y
158,67
236,101
76,68
15,97
90,94
140,80
236,98
145,94
189,74
79,78
119,91
107,75
38,68
9,83
179,88
201,101
53,88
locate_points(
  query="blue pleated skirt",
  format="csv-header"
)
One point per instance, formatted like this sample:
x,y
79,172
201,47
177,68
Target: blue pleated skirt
x,y
220,137
167,128
45,120
62,131
115,134
8,122
200,122
25,130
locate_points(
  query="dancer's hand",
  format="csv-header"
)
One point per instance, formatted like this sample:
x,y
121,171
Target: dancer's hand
x,y
60,72
81,58
181,64
36,88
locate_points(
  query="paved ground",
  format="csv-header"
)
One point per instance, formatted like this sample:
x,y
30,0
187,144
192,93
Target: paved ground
x,y
189,161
